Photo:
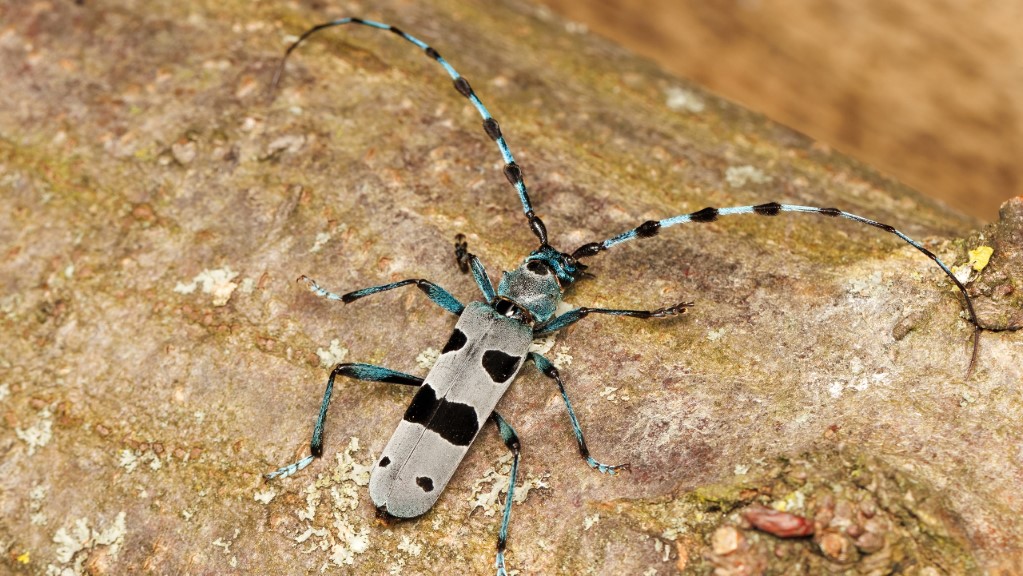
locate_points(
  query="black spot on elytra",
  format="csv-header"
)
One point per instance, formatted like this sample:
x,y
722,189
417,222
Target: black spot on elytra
x,y
456,342
455,422
423,406
425,483
499,365
384,462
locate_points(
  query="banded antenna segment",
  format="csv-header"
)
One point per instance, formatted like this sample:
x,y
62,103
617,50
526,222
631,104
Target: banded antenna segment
x,y
651,228
512,171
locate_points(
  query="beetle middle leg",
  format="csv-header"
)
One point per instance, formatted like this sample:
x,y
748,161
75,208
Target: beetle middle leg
x,y
366,372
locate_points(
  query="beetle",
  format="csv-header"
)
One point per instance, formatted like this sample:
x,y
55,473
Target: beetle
x,y
490,341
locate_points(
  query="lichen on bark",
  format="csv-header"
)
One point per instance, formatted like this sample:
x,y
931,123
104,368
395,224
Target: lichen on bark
x,y
158,356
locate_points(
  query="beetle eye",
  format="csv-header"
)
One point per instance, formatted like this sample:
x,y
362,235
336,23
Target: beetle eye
x,y
537,267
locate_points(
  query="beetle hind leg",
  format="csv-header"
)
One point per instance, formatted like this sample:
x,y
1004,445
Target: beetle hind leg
x,y
366,372
511,440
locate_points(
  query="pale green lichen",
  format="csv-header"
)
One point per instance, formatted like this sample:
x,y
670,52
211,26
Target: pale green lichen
x,y
38,434
333,355
217,283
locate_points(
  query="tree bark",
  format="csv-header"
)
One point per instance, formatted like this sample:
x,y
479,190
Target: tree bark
x,y
158,355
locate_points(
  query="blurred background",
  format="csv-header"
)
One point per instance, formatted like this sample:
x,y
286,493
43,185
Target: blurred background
x,y
929,92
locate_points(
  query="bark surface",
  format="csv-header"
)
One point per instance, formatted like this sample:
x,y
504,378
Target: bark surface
x,y
158,356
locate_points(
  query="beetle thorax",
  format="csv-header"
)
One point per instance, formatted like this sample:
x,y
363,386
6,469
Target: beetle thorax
x,y
534,287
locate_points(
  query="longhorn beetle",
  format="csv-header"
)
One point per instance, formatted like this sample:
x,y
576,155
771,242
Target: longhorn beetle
x,y
491,339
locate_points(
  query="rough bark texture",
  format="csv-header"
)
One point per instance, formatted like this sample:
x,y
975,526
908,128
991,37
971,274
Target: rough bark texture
x,y
822,371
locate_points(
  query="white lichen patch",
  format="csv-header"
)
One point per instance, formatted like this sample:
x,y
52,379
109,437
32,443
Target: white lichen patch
x,y
309,533
264,496
38,434
217,283
8,304
589,521
79,536
5,391
679,98
333,355
312,501
247,286
857,382
835,389
739,176
865,286
346,535
36,496
347,478
486,491
793,501
664,549
427,358
962,273
128,460
542,345
409,546
70,540
715,335
290,143
741,469
221,543
979,259
677,530
351,541
321,240
562,359
615,395
226,545
576,27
